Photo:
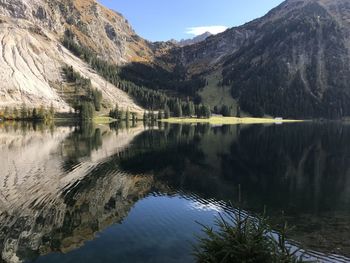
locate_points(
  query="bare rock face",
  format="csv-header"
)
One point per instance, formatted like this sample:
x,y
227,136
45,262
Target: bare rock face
x,y
14,8
31,56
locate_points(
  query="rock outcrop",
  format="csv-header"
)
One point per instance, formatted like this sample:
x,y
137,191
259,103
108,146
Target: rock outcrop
x,y
32,56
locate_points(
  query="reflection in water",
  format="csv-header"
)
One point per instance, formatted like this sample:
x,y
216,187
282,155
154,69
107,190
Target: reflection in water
x,y
54,200
301,170
61,186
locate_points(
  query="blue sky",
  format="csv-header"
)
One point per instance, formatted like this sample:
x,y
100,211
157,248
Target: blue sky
x,y
176,19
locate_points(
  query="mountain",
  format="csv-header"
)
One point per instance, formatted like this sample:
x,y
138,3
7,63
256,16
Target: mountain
x,y
32,55
195,40
293,62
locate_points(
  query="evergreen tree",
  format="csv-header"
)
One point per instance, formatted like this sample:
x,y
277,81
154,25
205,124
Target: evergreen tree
x,y
216,109
24,112
225,111
41,112
51,112
87,111
166,112
127,115
206,111
115,112
15,115
191,109
133,116
6,112
34,114
178,110
150,116
122,115
97,98
238,112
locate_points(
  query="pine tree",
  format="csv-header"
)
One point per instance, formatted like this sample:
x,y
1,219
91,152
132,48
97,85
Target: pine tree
x,y
121,115
51,112
134,118
41,112
238,112
87,111
15,115
206,111
191,109
97,98
225,111
35,114
24,112
6,112
178,110
166,112
127,115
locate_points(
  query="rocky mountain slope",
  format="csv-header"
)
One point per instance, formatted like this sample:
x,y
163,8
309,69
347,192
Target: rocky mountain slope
x,y
293,62
191,41
32,56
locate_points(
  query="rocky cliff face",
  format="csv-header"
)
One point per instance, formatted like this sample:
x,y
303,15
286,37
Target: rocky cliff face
x,y
32,56
103,30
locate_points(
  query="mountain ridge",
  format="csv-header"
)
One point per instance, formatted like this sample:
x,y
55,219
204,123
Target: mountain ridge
x,y
32,53
307,44
292,62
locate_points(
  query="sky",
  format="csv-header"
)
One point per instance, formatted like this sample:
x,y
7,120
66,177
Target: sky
x,y
161,20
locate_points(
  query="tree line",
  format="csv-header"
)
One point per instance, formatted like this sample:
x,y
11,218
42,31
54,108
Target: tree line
x,y
86,100
228,111
25,113
120,115
147,98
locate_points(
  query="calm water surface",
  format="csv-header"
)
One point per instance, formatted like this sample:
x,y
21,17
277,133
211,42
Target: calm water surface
x,y
107,194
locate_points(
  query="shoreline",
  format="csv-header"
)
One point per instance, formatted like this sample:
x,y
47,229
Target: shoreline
x,y
230,120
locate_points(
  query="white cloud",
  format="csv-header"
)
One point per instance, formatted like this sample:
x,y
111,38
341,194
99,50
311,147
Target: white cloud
x,y
196,31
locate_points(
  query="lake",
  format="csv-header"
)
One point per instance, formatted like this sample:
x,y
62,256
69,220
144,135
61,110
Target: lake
x,y
99,193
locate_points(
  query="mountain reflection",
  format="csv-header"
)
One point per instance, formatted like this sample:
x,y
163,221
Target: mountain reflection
x,y
302,171
55,190
59,186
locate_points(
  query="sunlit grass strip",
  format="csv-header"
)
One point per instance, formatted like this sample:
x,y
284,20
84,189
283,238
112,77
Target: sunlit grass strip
x,y
229,120
103,120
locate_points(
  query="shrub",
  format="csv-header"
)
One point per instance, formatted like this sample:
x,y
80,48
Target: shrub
x,y
241,239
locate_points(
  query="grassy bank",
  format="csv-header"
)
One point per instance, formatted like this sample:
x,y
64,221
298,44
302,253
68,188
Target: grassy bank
x,y
103,120
228,120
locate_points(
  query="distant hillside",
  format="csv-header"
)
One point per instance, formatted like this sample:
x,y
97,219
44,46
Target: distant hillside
x,y
293,62
195,40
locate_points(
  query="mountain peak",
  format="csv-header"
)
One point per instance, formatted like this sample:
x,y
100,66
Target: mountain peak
x,y
192,41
